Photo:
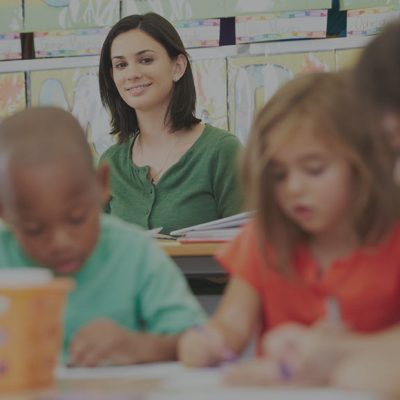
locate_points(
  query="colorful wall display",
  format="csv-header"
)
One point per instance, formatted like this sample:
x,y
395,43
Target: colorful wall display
x,y
11,16
199,33
10,46
76,90
282,25
176,10
45,15
12,93
354,4
76,42
212,101
346,58
253,80
248,7
370,21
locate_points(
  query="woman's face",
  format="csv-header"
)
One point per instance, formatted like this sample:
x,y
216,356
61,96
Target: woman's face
x,y
143,72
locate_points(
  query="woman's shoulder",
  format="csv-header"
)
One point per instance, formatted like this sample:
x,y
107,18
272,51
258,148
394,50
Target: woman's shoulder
x,y
115,150
220,139
219,133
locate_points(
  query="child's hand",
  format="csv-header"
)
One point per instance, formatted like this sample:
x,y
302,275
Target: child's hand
x,y
370,370
304,354
203,346
292,354
102,342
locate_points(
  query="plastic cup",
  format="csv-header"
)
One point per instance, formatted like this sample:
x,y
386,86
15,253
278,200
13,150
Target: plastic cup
x,y
31,315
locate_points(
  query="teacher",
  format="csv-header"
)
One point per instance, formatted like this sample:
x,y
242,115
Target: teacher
x,y
168,169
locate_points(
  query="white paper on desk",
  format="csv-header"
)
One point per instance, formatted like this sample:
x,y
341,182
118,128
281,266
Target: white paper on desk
x,y
206,383
157,371
154,231
180,383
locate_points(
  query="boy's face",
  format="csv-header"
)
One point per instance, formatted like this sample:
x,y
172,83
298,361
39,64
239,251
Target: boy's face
x,y
53,211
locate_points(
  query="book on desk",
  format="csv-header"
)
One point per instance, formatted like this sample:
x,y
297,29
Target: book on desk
x,y
221,230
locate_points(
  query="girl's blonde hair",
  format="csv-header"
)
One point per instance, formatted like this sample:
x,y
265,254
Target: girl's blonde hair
x,y
325,104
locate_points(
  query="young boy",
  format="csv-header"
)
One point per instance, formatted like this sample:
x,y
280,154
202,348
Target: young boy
x,y
130,302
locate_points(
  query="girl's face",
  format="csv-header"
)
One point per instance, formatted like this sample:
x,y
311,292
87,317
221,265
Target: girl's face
x,y
142,70
313,185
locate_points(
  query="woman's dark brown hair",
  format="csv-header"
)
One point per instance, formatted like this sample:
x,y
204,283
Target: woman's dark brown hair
x,y
180,111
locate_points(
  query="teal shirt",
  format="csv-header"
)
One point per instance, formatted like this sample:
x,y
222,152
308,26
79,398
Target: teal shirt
x,y
127,278
202,186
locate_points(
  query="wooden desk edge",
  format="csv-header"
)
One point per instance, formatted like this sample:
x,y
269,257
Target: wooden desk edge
x,y
176,249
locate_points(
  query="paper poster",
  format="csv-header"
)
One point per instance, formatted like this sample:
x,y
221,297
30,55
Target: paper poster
x,y
199,33
253,80
176,10
370,21
248,7
10,46
48,15
347,58
12,93
11,16
354,4
283,25
210,77
65,43
75,90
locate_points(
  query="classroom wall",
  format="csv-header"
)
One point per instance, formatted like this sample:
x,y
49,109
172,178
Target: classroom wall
x,y
242,51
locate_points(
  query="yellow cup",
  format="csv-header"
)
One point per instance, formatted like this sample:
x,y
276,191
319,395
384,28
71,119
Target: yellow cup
x,y
31,315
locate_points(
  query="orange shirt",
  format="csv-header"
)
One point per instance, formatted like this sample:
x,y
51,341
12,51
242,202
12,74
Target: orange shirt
x,y
366,283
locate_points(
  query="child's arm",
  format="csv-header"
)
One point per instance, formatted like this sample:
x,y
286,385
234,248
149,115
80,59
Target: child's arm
x,y
103,342
227,332
318,355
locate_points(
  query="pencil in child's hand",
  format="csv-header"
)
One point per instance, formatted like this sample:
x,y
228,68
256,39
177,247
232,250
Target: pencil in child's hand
x,y
333,312
228,355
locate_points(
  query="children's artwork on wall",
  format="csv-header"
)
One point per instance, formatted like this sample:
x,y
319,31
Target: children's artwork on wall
x,y
45,15
346,58
247,7
11,16
210,78
176,10
12,93
304,24
10,46
354,4
370,21
253,80
75,90
73,42
199,33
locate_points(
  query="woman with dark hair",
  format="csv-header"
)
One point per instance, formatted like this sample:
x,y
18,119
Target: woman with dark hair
x,y
167,169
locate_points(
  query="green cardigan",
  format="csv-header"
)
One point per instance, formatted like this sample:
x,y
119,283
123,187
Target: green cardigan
x,y
202,186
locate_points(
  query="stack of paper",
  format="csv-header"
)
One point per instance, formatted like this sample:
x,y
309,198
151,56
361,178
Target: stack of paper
x,y
220,230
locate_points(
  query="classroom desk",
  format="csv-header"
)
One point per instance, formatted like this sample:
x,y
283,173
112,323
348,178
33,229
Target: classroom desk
x,y
195,259
168,381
